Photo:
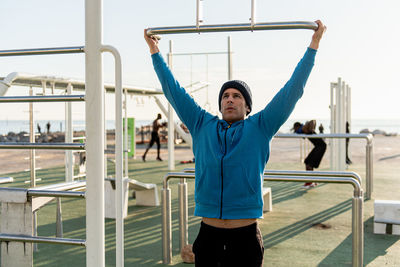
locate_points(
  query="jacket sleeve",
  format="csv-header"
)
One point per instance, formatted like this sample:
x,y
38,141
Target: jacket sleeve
x,y
187,109
281,106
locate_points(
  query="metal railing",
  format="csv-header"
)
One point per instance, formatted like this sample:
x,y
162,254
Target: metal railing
x,y
60,146
357,209
369,163
41,239
42,98
302,173
285,25
54,193
42,51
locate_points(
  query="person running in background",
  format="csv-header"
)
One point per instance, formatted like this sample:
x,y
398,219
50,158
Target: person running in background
x,y
155,138
314,158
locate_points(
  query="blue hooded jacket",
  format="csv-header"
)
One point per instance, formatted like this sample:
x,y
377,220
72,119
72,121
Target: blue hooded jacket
x,y
230,159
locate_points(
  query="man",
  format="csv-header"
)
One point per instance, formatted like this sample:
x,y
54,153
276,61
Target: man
x,y
230,158
314,158
155,138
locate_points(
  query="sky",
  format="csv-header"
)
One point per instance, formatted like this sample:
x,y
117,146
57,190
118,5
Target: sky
x,y
361,46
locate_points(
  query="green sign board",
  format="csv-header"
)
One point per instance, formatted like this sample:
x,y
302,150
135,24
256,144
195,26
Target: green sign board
x,y
131,136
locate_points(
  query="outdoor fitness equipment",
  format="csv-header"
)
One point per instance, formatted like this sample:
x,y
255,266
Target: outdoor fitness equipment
x,y
94,99
199,28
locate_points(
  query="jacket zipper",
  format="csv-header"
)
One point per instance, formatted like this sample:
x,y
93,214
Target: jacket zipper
x,y
222,172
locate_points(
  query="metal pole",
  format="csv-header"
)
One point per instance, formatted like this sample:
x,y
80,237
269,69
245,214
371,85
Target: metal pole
x,y
105,133
166,226
32,140
41,239
336,151
95,135
229,58
368,172
54,193
253,13
171,130
33,160
59,225
199,13
69,161
119,196
43,87
42,98
357,231
332,126
183,213
42,51
286,25
126,149
60,146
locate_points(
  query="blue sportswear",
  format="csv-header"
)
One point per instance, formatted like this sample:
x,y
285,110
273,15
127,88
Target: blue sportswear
x,y
230,159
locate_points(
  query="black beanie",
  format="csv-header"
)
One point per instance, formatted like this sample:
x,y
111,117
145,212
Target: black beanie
x,y
242,87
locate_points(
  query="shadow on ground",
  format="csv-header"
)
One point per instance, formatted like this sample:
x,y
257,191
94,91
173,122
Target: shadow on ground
x,y
374,246
287,232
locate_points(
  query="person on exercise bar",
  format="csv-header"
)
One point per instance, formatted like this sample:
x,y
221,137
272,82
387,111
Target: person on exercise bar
x,y
231,154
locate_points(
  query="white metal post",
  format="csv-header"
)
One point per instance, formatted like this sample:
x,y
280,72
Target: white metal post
x,y
95,135
332,126
32,140
126,149
119,196
171,128
229,58
32,162
44,87
199,13
69,161
342,128
105,134
253,13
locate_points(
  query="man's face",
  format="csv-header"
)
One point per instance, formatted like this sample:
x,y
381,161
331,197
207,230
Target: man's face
x,y
233,106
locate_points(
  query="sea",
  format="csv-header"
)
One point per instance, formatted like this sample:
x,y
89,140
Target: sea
x,y
16,126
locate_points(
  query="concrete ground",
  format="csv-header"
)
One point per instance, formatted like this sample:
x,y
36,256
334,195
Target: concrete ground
x,y
305,228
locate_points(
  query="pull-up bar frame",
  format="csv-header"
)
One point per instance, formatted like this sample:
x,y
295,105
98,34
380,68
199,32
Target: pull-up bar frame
x,y
286,25
357,207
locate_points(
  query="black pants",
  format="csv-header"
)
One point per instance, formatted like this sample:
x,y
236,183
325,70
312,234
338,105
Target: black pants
x,y
154,139
222,247
314,158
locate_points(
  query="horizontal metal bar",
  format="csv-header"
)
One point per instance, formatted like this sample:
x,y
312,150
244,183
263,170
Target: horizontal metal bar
x,y
369,137
53,193
302,173
314,173
59,146
42,51
46,98
199,53
286,25
277,178
40,239
318,179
